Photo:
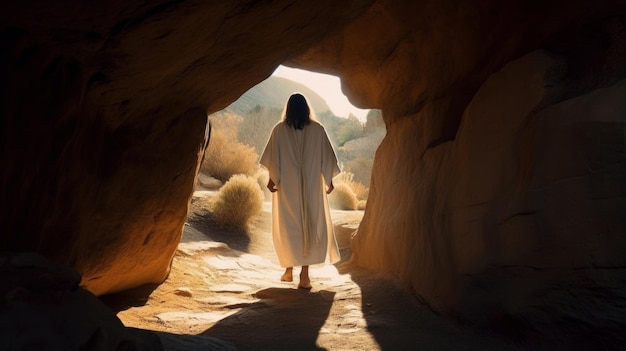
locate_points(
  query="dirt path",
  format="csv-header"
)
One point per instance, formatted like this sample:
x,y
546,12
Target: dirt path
x,y
226,284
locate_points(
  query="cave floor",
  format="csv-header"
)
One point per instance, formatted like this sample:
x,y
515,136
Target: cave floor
x,y
226,284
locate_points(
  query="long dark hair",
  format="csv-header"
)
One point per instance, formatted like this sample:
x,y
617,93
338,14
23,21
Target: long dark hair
x,y
297,111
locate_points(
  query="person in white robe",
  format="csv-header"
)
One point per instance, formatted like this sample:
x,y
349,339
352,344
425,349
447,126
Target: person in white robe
x,y
301,164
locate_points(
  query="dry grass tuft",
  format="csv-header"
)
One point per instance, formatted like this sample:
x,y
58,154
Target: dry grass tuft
x,y
262,176
361,168
343,198
361,205
237,202
360,190
225,156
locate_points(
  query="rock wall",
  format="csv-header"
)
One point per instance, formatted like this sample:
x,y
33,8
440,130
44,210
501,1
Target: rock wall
x,y
506,179
104,111
494,218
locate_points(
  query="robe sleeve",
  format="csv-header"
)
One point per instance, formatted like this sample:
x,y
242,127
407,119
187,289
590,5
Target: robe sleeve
x,y
330,168
270,159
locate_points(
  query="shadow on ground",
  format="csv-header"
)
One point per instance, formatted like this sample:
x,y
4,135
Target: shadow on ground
x,y
399,321
296,317
216,292
126,299
204,221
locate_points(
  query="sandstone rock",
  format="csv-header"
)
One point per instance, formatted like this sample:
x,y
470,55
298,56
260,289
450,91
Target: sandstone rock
x,y
526,186
193,318
183,291
231,288
208,181
104,119
43,308
374,122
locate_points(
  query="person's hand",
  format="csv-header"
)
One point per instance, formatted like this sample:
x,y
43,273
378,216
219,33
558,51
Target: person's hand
x,y
331,187
271,186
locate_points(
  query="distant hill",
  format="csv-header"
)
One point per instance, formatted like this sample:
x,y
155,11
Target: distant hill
x,y
273,93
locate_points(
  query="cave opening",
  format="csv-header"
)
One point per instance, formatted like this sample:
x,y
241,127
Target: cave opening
x,y
238,136
211,250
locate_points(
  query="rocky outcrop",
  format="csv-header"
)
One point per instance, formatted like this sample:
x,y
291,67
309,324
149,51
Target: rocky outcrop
x,y
374,122
104,112
499,219
524,204
43,308
499,179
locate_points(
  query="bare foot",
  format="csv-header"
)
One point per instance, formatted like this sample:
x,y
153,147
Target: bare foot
x,y
305,287
288,275
305,282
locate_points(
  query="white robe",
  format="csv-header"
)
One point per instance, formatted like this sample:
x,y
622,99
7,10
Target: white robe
x,y
302,164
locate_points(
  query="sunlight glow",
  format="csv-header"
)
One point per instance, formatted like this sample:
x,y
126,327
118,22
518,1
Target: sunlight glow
x,y
327,86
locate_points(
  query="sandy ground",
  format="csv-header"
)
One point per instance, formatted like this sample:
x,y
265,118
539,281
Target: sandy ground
x,y
226,284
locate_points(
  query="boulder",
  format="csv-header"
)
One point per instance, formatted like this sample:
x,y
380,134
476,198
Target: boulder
x,y
43,308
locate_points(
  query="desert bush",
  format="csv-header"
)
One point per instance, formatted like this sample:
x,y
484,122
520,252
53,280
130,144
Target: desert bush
x,y
225,120
342,198
359,190
237,202
350,129
257,126
225,156
262,177
361,205
361,168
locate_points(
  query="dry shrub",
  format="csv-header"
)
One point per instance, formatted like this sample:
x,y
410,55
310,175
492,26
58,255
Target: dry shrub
x,y
237,202
226,120
262,177
350,129
225,156
342,198
361,205
360,190
361,168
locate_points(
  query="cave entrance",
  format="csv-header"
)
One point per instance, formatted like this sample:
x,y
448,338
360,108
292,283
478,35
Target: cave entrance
x,y
223,276
238,136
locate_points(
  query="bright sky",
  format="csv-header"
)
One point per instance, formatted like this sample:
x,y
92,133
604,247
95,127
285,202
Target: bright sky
x,y
326,86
